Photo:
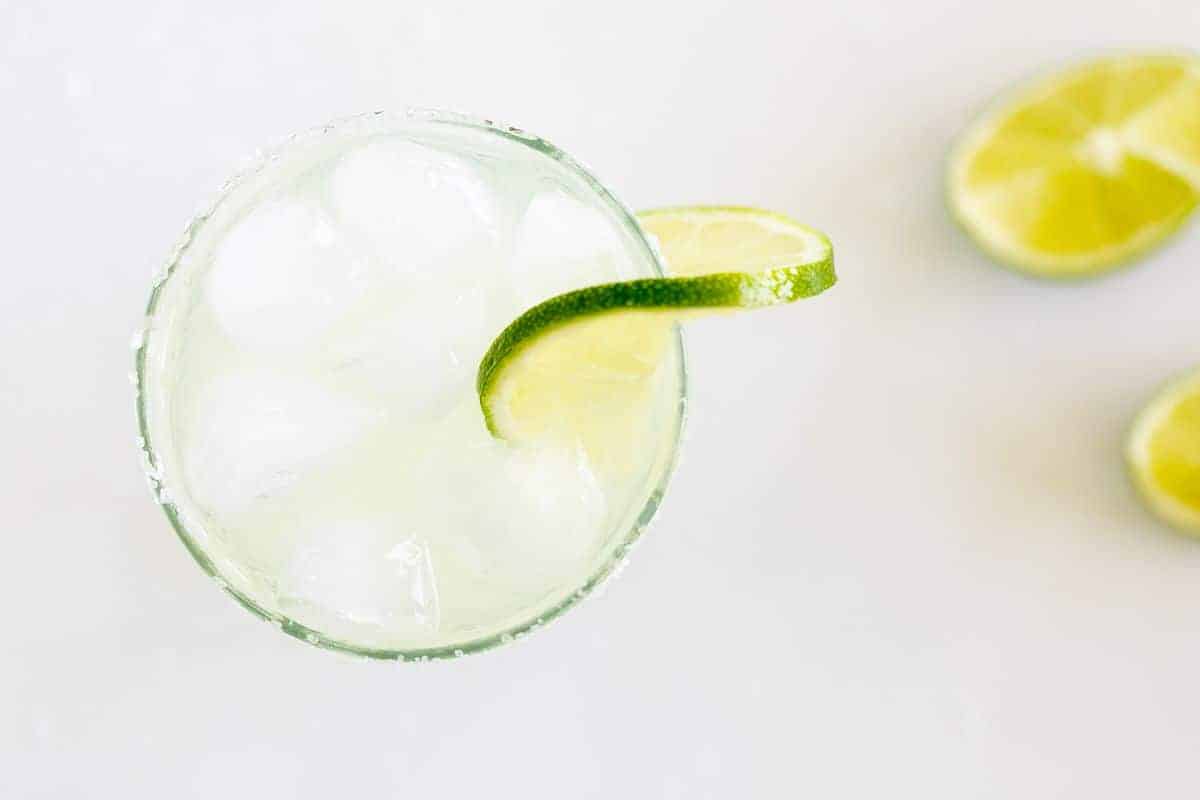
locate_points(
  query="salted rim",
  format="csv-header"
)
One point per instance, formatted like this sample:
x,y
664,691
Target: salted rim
x,y
151,463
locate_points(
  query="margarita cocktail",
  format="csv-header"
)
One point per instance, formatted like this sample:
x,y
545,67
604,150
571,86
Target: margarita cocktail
x,y
307,386
414,384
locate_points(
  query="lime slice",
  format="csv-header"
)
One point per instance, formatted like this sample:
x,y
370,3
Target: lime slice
x,y
578,367
1085,169
1164,454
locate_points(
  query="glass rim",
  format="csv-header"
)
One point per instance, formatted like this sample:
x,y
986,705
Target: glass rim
x,y
607,568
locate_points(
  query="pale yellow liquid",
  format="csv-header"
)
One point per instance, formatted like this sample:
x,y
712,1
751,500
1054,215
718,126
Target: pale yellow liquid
x,y
309,387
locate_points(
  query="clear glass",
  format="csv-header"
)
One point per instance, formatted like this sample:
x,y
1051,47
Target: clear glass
x,y
145,342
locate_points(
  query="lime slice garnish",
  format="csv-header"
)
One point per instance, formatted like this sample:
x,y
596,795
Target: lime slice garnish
x,y
576,367
1164,453
1084,169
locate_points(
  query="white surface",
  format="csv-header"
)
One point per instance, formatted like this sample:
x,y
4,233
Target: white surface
x,y
899,557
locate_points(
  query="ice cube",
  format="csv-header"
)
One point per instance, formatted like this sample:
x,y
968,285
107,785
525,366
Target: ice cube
x,y
540,519
419,353
283,276
251,435
368,571
508,526
426,214
563,244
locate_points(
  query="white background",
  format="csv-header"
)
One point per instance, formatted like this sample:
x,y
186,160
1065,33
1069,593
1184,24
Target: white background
x,y
899,558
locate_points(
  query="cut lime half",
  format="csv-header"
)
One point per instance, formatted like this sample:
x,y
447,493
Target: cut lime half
x,y
1085,169
1163,452
574,368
